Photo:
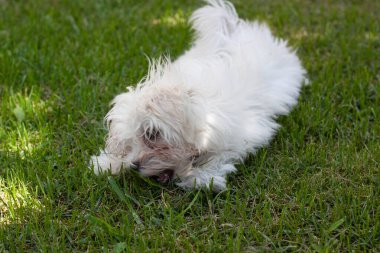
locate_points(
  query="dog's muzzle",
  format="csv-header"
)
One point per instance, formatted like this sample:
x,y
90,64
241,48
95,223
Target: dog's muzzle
x,y
164,177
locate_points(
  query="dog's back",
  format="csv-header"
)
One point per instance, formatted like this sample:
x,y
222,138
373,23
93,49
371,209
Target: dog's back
x,y
243,71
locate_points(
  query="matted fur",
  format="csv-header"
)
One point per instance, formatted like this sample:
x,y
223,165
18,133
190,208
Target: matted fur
x,y
204,112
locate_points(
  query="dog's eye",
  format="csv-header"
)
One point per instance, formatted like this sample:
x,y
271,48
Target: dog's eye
x,y
152,135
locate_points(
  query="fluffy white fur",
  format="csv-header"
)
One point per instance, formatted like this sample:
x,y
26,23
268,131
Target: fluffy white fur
x,y
204,112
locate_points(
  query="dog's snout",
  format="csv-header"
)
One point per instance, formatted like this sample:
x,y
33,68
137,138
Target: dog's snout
x,y
135,165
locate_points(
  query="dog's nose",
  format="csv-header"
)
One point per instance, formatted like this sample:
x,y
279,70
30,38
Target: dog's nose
x,y
135,165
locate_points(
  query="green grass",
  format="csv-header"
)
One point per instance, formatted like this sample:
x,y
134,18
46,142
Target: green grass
x,y
315,188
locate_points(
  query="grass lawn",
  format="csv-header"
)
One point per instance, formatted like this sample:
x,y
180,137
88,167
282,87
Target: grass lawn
x,y
315,188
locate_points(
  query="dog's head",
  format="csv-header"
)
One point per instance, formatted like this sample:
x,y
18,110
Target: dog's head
x,y
156,130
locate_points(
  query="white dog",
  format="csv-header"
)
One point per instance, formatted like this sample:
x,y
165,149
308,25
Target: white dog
x,y
194,118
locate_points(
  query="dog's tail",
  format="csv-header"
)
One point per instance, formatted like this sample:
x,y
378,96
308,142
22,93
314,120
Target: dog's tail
x,y
217,19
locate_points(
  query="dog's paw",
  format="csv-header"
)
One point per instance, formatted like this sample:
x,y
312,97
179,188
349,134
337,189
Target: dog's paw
x,y
104,163
214,178
217,184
